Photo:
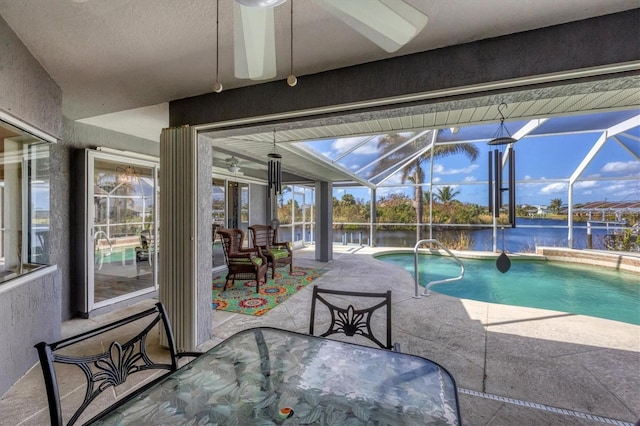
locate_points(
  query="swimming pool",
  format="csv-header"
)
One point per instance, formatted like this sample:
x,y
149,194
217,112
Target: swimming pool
x,y
597,292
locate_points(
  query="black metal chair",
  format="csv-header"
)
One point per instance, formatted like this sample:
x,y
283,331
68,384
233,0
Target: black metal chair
x,y
104,369
351,321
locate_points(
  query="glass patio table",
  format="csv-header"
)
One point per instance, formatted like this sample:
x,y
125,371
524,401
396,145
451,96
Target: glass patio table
x,y
264,376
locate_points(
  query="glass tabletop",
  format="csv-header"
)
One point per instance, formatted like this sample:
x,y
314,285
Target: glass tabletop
x,y
266,376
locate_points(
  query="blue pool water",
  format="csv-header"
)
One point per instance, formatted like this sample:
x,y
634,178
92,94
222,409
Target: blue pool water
x,y
576,289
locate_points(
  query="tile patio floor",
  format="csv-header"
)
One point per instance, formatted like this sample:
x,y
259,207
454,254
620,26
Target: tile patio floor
x,y
512,365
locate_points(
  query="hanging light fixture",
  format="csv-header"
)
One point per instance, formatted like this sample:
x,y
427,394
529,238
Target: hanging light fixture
x,y
292,80
217,87
274,169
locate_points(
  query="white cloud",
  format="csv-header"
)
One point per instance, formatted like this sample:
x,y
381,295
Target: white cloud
x,y
436,180
527,177
585,184
344,144
438,168
470,179
621,167
554,188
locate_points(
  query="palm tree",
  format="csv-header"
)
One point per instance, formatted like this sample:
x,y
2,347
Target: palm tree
x,y
446,194
555,205
414,172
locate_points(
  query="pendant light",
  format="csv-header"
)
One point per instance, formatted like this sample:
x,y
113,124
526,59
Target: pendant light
x,y
292,80
217,87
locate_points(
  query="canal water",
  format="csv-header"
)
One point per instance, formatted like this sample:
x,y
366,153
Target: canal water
x,y
527,234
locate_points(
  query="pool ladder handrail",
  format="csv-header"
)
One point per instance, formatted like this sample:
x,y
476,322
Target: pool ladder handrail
x,y
431,283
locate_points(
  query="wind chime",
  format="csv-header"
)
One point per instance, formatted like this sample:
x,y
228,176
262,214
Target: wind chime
x,y
501,139
274,169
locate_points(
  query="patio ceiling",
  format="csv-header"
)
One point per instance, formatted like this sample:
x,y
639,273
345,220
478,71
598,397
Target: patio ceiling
x,y
476,118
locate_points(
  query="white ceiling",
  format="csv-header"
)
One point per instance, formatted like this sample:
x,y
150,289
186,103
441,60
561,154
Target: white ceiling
x,y
111,56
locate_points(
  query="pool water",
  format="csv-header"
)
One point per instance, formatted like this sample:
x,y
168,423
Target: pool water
x,y
576,289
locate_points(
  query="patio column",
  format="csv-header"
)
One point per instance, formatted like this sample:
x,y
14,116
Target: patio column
x,y
185,235
324,221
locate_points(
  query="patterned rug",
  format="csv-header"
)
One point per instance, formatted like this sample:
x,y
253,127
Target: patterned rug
x,y
242,298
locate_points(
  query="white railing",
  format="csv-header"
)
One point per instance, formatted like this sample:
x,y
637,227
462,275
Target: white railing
x,y
416,249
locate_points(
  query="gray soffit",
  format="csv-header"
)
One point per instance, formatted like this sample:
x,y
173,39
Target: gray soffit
x,y
253,144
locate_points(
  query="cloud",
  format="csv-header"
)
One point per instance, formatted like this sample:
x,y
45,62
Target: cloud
x,y
344,144
585,184
554,188
621,167
470,179
439,168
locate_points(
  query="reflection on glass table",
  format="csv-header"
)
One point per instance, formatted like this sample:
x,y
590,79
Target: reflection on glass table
x,y
267,376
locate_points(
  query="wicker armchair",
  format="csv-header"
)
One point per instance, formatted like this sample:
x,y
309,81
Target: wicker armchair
x,y
242,263
278,253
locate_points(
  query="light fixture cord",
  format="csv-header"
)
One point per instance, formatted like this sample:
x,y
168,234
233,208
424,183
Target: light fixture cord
x,y
291,41
217,37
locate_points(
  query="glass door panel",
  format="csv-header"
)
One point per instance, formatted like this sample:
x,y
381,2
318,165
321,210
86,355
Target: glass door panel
x,y
218,220
124,234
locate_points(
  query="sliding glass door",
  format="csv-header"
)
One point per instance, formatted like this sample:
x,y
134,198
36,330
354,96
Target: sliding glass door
x,y
123,230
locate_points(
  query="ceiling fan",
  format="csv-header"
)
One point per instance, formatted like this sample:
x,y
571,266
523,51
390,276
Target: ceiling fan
x,y
388,23
232,164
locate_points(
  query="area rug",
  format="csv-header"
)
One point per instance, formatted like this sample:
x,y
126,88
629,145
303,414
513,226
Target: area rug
x,y
242,297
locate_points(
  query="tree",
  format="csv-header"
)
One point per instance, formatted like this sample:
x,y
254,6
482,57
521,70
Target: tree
x,y
393,150
446,194
555,205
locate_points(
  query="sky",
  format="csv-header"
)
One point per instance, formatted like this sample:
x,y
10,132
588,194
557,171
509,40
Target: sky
x,y
545,159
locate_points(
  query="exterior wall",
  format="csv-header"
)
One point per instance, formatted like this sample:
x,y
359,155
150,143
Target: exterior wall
x,y
259,204
30,311
26,90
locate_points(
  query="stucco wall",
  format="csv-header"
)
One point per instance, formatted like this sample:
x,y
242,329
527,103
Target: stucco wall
x,y
30,311
26,90
33,311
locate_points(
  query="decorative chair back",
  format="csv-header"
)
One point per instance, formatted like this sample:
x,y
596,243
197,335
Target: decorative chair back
x,y
351,321
243,263
104,369
278,253
263,235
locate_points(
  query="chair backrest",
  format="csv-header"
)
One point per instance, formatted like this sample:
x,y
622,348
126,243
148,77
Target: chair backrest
x,y
263,235
349,320
232,241
102,368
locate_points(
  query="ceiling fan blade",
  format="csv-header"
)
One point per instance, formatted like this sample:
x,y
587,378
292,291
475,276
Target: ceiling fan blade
x,y
254,42
388,23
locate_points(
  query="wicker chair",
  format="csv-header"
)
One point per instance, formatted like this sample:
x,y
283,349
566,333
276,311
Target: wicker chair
x,y
278,253
242,263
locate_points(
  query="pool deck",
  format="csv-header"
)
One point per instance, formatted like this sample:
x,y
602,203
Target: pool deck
x,y
512,365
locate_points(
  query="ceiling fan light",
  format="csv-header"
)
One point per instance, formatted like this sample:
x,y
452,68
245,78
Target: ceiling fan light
x,y
233,168
261,3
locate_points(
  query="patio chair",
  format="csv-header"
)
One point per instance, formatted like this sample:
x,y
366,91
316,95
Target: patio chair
x,y
349,320
242,263
278,253
108,368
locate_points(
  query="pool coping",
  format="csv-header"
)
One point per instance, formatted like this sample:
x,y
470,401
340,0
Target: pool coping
x,y
622,261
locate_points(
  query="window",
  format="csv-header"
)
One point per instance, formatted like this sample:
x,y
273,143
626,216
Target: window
x,y
24,202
